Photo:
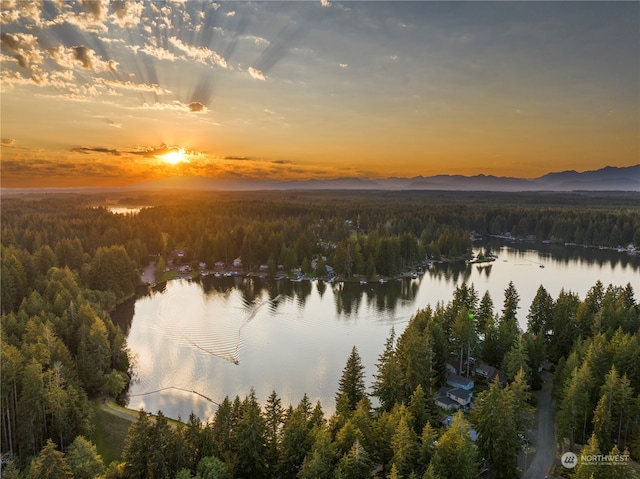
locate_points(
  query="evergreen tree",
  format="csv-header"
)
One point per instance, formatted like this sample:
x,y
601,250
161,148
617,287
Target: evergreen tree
x,y
510,306
494,418
251,440
356,464
517,358
455,455
387,384
484,313
296,442
50,464
273,427
351,384
84,460
575,407
135,454
318,463
540,313
405,448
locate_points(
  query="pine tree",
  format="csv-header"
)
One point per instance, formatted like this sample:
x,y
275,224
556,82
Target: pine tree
x,y
84,460
455,455
273,427
517,358
540,313
495,420
356,464
250,440
405,448
387,384
510,306
318,463
50,464
351,383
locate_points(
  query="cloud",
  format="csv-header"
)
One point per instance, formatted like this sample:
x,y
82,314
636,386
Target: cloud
x,y
344,65
325,3
129,85
196,106
176,106
12,11
67,57
86,151
151,151
93,17
199,54
115,124
25,48
126,13
237,158
256,74
8,142
282,162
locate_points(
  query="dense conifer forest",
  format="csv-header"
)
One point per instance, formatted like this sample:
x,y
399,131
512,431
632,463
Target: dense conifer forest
x,y
67,261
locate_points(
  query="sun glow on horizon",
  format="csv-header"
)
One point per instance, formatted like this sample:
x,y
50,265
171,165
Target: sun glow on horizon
x,y
175,157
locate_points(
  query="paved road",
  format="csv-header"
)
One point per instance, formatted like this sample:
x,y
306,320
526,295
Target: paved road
x,y
543,435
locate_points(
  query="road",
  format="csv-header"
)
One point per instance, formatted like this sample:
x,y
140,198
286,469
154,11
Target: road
x,y
149,273
543,434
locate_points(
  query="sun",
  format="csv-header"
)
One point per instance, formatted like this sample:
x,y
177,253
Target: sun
x,y
175,156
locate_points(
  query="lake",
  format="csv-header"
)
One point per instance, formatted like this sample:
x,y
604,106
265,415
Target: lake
x,y
195,342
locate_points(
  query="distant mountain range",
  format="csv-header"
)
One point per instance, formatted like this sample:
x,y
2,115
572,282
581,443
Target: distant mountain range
x,y
609,178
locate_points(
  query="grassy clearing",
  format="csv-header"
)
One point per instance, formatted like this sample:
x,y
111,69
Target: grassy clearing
x,y
112,423
111,428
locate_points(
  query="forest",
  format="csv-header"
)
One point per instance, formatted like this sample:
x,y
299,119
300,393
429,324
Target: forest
x,y
67,261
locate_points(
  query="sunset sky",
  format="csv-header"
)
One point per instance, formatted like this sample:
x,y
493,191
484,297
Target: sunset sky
x,y
99,93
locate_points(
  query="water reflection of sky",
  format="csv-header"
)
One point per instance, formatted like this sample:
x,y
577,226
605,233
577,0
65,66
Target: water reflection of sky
x,y
295,337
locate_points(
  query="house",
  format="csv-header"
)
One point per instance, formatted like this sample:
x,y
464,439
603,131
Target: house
x,y
462,397
237,263
445,402
489,372
452,366
456,381
219,265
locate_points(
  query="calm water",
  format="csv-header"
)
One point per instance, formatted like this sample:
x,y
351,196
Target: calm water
x,y
195,342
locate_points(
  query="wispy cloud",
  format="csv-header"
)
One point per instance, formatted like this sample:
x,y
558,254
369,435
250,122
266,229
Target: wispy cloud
x,y
199,54
256,74
69,57
86,151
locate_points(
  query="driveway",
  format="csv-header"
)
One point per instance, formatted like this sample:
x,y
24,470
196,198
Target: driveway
x,y
149,273
543,434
